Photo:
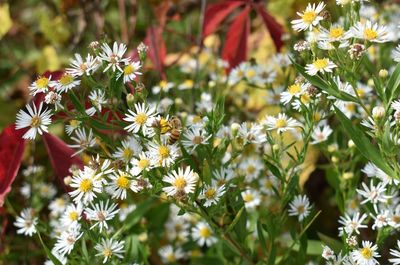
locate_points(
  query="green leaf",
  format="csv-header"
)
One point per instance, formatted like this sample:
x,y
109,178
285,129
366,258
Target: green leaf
x,y
314,247
48,252
334,244
261,237
393,86
76,102
366,148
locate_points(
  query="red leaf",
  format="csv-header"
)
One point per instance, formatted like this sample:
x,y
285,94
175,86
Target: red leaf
x,y
235,48
216,13
275,29
157,50
12,148
60,156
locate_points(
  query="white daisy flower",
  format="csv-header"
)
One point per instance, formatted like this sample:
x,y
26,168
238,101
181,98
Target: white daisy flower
x,y
223,176
252,133
120,183
98,99
373,194
269,184
26,222
59,257
380,220
140,164
212,193
396,254
203,235
41,85
36,119
281,123
350,224
163,86
310,18
101,213
114,56
131,70
142,118
336,33
86,184
367,254
194,137
370,31
293,91
182,181
72,215
396,54
321,134
130,147
125,210
109,248
53,98
67,239
83,141
72,126
80,67
170,255
300,206
251,198
251,167
327,253
163,154
57,206
237,74
323,65
66,83
187,84
205,104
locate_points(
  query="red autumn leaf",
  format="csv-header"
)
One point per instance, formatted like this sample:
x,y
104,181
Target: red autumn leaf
x,y
60,156
157,49
216,13
235,48
275,29
11,152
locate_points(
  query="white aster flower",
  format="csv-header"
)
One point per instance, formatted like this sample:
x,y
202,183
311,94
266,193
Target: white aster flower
x,y
194,137
101,213
80,67
142,118
373,194
293,91
26,222
203,235
251,198
83,141
131,70
370,31
41,85
212,193
367,254
321,134
163,86
130,147
36,119
182,181
310,18
67,239
120,183
252,133
320,65
86,184
72,215
163,154
300,206
281,123
396,254
170,255
113,57
66,82
109,248
396,54
140,164
351,224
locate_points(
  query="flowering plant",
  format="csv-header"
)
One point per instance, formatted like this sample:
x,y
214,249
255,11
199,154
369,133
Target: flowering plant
x,y
190,170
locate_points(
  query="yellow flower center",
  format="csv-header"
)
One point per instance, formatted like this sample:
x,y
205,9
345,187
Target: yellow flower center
x,y
180,183
361,92
366,253
42,82
321,63
370,34
73,216
205,232
171,257
336,32
248,197
305,99
128,69
127,153
294,89
309,16
197,139
240,73
107,252
300,209
35,122
188,83
162,84
66,79
251,169
164,125
74,123
143,163
210,193
317,116
141,118
197,119
163,151
280,123
351,107
86,185
123,182
251,73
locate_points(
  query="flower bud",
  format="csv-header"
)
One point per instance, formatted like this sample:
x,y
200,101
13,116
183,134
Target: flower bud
x,y
335,159
130,98
348,175
275,147
350,144
234,128
378,112
67,180
178,101
383,73
332,148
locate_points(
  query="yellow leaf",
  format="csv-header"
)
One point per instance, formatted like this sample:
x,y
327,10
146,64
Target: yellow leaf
x,y
48,60
5,20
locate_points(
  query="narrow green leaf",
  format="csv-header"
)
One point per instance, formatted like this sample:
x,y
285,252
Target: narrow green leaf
x,y
76,102
366,148
334,244
393,86
48,252
261,237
